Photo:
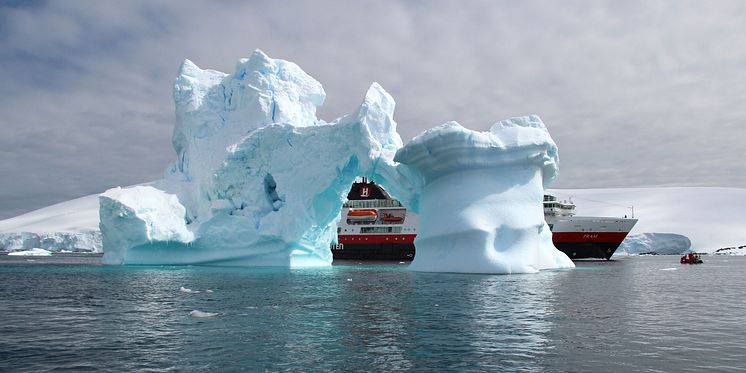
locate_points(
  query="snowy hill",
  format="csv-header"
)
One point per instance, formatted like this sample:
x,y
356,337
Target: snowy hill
x,y
70,225
711,218
73,216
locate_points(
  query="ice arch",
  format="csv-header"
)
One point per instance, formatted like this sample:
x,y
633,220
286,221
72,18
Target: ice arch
x,y
259,180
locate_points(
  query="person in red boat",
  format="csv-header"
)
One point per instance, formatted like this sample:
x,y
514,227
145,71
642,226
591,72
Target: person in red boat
x,y
691,258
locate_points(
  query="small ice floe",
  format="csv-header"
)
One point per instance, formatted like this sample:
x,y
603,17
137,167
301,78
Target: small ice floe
x,y
198,313
669,269
185,290
32,252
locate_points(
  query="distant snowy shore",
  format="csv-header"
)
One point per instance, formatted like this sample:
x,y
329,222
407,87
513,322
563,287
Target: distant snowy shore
x,y
32,252
708,217
69,226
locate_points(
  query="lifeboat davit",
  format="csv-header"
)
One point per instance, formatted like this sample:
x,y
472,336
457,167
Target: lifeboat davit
x,y
691,258
362,215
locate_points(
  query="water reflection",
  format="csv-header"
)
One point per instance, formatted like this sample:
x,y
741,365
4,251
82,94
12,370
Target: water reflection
x,y
484,322
376,314
602,316
587,308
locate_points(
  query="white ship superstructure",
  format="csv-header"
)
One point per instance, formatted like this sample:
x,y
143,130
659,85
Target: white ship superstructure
x,y
376,226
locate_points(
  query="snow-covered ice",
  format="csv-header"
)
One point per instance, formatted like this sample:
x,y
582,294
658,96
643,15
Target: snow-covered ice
x,y
32,252
69,226
259,180
712,225
658,243
481,205
736,251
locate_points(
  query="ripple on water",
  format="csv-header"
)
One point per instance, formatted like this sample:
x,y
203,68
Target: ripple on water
x,y
629,315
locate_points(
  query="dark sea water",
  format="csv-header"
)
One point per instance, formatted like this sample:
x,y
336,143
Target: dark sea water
x,y
642,314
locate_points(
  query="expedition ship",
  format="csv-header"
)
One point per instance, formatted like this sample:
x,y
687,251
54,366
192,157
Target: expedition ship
x,y
376,226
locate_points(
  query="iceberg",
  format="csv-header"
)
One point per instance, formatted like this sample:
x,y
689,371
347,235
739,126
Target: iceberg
x,y
480,203
259,180
655,243
33,252
74,225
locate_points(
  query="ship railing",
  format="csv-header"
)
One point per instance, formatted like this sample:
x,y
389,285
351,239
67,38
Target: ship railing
x,y
372,203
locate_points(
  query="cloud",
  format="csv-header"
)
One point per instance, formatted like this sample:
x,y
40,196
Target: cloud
x,y
635,93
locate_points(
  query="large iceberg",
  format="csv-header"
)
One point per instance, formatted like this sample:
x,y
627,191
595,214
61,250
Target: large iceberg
x,y
481,204
259,180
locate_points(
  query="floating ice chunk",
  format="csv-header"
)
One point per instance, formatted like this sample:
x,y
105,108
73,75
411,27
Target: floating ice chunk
x,y
32,252
198,313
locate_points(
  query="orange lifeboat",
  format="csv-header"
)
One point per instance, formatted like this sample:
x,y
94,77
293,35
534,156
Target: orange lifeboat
x,y
362,215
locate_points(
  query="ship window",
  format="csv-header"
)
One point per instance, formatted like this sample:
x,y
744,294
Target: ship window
x,y
380,230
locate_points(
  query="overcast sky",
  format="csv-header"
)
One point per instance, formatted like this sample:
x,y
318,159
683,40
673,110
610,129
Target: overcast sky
x,y
648,93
